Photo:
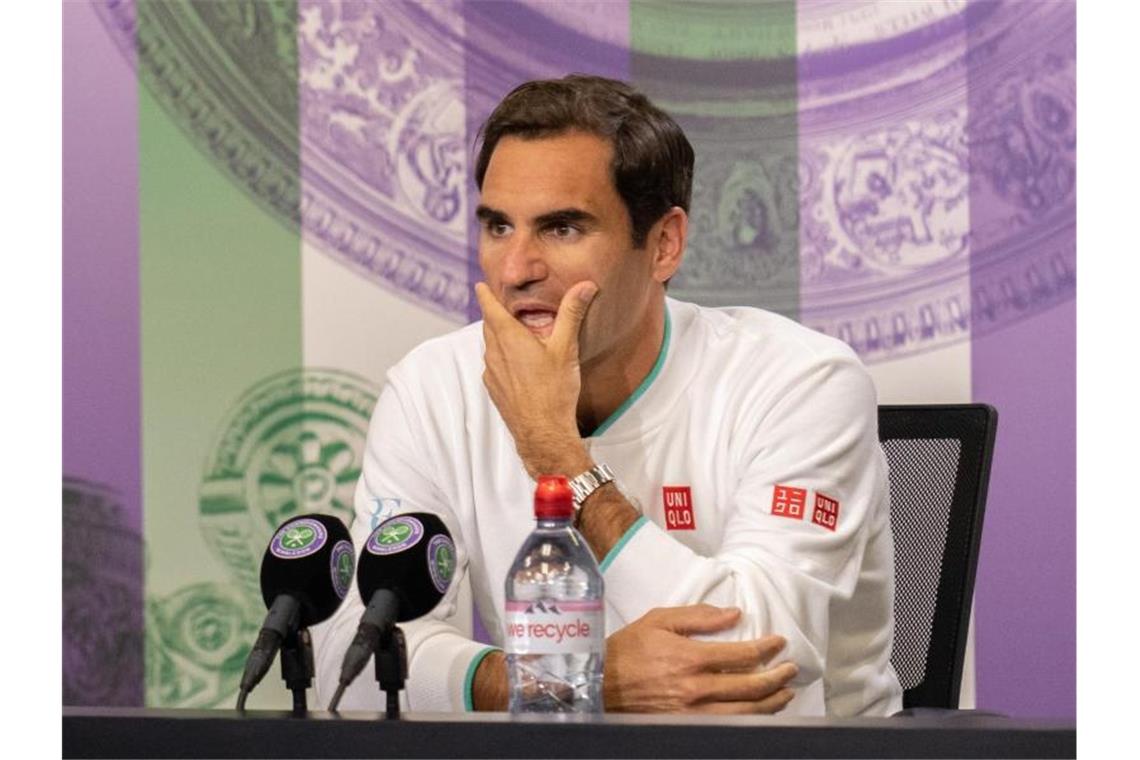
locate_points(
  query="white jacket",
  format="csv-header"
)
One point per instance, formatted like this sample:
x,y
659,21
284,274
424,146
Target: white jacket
x,y
773,429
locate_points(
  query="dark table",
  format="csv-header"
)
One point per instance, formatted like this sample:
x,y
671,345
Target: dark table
x,y
119,732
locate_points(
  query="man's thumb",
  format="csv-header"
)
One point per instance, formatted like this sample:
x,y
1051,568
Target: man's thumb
x,y
575,303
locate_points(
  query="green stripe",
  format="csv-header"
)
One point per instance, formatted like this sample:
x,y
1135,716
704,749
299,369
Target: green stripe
x,y
727,72
641,389
717,30
609,560
220,311
469,681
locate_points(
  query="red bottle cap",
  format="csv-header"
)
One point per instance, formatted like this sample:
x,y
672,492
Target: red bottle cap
x,y
553,499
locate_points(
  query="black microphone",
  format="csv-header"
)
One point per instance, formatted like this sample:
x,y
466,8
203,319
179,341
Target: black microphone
x,y
305,575
405,568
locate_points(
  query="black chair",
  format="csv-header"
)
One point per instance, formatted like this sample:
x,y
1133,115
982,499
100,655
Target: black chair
x,y
939,457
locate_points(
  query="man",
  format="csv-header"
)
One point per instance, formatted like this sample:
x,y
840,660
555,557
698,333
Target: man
x,y
748,512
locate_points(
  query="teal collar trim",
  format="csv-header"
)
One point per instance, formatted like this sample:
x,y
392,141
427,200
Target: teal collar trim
x,y
648,381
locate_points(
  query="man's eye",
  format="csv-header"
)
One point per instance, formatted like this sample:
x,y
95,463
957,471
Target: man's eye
x,y
564,231
498,229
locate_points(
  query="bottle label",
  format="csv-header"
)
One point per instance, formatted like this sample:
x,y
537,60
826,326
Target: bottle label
x,y
576,627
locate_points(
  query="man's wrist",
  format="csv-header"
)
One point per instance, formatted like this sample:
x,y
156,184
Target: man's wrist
x,y
605,518
556,456
585,483
489,687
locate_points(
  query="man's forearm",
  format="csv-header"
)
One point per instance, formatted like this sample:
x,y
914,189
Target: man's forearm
x,y
639,679
605,518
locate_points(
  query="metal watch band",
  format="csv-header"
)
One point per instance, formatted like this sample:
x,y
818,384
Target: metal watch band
x,y
589,481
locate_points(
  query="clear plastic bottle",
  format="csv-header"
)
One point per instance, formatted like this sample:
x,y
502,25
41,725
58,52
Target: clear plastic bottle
x,y
555,619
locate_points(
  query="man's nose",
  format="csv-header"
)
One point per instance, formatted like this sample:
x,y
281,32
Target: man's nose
x,y
523,262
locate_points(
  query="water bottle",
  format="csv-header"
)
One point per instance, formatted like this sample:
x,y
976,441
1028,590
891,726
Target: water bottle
x,y
555,622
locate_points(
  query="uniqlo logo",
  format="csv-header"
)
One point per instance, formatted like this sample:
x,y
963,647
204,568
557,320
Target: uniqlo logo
x,y
826,512
678,508
788,502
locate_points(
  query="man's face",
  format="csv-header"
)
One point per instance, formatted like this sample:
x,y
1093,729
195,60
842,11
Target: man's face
x,y
551,217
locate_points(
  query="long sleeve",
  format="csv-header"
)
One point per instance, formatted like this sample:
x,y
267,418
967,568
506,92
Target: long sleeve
x,y
396,479
809,492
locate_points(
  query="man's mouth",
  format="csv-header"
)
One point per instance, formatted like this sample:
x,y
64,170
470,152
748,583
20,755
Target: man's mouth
x,y
539,320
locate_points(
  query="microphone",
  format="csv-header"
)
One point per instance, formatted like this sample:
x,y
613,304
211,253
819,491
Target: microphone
x,y
405,568
305,575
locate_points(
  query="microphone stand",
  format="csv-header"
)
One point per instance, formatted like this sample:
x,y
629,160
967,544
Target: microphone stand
x,y
297,667
380,638
392,667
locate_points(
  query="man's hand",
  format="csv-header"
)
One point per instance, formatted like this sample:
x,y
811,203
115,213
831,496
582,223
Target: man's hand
x,y
535,382
653,666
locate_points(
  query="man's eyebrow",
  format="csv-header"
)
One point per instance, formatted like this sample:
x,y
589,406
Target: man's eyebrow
x,y
564,216
488,214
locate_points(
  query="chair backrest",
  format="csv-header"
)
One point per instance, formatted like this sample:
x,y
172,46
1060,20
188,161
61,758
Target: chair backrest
x,y
939,457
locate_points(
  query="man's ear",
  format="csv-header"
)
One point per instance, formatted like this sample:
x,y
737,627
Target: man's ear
x,y
667,243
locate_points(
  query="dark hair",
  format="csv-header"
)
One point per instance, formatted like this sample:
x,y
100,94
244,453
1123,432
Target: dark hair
x,y
653,161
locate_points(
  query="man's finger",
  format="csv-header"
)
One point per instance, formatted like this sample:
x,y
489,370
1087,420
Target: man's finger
x,y
490,337
768,706
738,655
694,618
494,313
743,687
575,302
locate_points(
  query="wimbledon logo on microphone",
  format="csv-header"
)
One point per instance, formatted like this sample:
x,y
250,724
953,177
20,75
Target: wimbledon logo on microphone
x,y
441,562
297,539
395,535
342,564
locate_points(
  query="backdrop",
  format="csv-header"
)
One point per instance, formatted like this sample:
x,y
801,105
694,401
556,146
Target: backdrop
x,y
266,204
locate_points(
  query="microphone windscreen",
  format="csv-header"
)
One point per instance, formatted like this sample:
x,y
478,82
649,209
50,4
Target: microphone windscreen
x,y
310,557
411,555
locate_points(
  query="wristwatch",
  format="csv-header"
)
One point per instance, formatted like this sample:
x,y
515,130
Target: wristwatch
x,y
589,481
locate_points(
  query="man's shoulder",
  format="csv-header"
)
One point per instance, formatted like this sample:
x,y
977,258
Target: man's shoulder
x,y
765,336
767,366
450,355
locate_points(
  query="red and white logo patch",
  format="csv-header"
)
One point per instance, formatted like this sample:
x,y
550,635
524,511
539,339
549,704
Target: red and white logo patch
x,y
788,502
678,507
826,513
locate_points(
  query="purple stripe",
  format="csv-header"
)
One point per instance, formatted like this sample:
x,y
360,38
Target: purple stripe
x,y
508,44
1023,356
100,261
843,61
1025,595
